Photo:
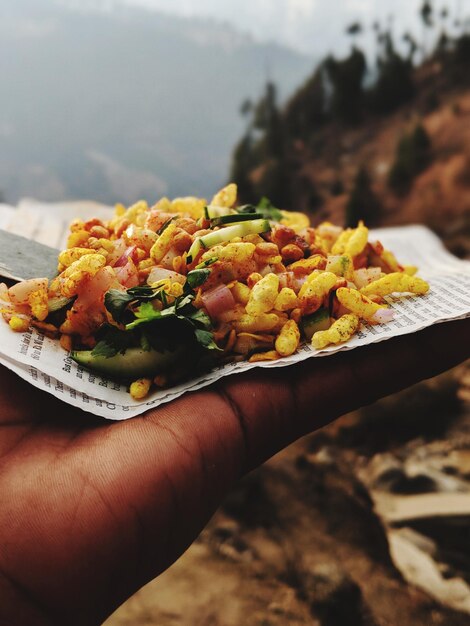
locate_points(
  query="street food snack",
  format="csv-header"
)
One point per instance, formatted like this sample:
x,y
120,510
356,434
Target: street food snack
x,y
159,293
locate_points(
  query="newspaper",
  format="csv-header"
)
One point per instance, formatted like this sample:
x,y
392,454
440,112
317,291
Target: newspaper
x,y
48,222
42,362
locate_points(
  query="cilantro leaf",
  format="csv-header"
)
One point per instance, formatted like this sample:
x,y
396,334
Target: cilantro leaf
x,y
199,317
105,348
112,341
116,302
206,339
265,208
197,277
162,328
269,212
144,292
184,301
146,313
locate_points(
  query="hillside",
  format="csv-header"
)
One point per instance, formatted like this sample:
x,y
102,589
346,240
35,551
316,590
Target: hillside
x,y
126,103
438,196
407,162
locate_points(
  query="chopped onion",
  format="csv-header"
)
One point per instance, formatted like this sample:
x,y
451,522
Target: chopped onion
x,y
91,292
129,253
218,300
119,249
365,276
128,275
382,316
289,279
267,269
161,273
19,293
167,260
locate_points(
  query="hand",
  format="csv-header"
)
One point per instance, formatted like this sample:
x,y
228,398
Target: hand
x,y
91,510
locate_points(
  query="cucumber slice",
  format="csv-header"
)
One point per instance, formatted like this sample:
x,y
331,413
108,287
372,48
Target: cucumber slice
x,y
212,212
194,250
236,219
134,363
55,304
250,227
320,320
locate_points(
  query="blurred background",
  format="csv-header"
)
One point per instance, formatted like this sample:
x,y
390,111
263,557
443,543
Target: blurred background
x,y
351,110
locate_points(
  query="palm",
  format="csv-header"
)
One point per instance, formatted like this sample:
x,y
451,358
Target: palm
x,y
91,510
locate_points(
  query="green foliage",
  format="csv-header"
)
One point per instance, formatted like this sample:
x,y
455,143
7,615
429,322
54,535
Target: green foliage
x,y
112,341
243,162
267,161
457,61
346,78
265,210
306,111
462,51
363,204
162,326
354,29
267,118
394,85
412,156
274,183
426,13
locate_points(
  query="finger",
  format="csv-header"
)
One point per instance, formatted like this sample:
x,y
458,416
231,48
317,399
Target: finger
x,y
277,406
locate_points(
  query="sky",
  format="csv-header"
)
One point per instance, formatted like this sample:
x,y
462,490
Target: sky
x,y
314,27
59,65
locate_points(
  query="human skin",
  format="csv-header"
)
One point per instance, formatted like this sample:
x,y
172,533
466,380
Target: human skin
x,y
91,510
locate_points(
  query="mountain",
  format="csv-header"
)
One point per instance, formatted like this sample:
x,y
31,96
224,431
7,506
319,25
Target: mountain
x,y
122,103
390,152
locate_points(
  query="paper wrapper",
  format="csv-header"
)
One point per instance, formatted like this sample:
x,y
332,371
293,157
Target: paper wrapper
x,y
45,365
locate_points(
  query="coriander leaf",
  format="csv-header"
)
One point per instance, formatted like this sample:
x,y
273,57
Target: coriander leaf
x,y
144,292
183,301
112,341
197,277
264,208
206,339
116,302
170,333
269,212
199,317
103,348
146,313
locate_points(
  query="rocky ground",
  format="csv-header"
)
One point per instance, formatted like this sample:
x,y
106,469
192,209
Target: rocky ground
x,y
365,523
